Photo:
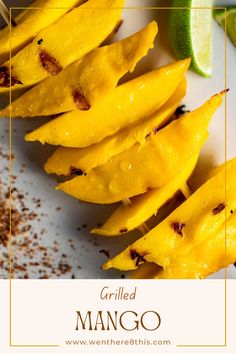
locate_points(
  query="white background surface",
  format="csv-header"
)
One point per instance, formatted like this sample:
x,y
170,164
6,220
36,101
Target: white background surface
x,y
62,225
44,313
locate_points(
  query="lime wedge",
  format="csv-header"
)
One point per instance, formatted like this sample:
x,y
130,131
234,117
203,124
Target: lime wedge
x,y
190,32
230,15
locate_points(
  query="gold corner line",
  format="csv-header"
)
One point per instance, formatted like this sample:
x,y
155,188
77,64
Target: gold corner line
x,y
226,150
225,157
10,213
10,168
121,8
202,345
10,192
34,345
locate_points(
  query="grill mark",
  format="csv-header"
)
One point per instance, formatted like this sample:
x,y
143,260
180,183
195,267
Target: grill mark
x,y
5,80
137,257
80,100
118,25
75,172
124,230
49,63
181,110
218,209
178,227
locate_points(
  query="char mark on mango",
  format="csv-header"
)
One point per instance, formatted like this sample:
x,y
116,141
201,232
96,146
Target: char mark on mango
x,y
123,230
178,227
218,209
6,80
139,258
49,63
75,172
117,27
80,100
181,110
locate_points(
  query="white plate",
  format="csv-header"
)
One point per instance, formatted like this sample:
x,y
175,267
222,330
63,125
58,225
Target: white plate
x,y
61,225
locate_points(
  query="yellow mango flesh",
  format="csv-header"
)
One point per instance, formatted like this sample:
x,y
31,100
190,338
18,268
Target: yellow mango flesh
x,y
30,22
207,258
92,77
127,218
201,217
126,105
66,40
147,166
64,159
203,260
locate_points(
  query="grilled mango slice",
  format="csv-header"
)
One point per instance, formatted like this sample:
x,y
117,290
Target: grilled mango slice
x,y
30,22
63,42
66,161
143,207
126,105
207,258
150,270
196,221
82,83
147,166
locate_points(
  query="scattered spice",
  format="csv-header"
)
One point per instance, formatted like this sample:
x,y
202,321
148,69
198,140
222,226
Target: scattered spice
x,y
231,211
178,227
49,63
134,255
5,222
106,252
40,41
218,209
80,100
64,267
30,258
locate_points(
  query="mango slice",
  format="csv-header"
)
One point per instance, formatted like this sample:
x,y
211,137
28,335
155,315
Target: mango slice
x,y
196,221
82,83
66,160
152,270
30,22
63,42
126,105
147,166
143,207
207,258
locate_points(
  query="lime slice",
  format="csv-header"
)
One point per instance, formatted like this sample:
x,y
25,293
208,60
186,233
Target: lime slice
x,y
230,15
190,32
